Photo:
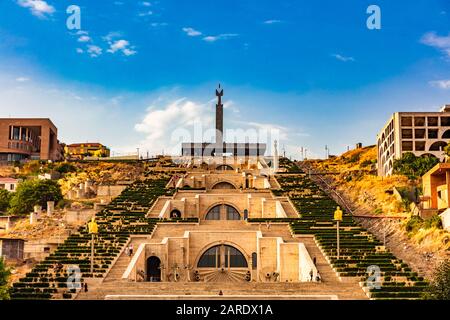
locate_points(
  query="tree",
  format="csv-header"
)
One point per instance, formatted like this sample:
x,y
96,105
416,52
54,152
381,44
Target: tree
x,y
440,286
34,192
412,166
4,275
5,198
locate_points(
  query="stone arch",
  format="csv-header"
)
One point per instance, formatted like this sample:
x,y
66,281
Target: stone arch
x,y
427,155
224,184
224,167
175,213
217,244
437,146
219,205
153,267
446,134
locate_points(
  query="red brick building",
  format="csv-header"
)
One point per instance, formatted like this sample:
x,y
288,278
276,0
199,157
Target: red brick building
x,y
28,138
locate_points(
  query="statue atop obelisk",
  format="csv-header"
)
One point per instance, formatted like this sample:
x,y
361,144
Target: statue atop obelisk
x,y
219,117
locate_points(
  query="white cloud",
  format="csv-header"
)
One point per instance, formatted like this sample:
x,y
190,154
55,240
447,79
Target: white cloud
x,y
145,14
79,50
442,84
191,32
158,24
84,38
167,126
113,34
22,79
273,21
38,8
94,51
441,43
343,58
146,3
123,46
119,45
223,36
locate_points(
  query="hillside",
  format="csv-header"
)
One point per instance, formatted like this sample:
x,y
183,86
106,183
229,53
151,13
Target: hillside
x,y
353,175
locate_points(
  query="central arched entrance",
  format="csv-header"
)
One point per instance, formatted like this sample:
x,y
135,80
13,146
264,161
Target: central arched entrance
x,y
223,263
153,269
222,256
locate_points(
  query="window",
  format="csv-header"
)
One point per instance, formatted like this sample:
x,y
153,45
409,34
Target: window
x,y
445,121
432,121
16,133
235,258
432,133
407,146
419,121
438,146
407,133
229,213
210,259
420,145
406,121
254,260
232,214
222,256
214,213
419,133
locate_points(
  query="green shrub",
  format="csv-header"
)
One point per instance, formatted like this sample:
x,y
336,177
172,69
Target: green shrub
x,y
5,198
411,166
439,288
34,192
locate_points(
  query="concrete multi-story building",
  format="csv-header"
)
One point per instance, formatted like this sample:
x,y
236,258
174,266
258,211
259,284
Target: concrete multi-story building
x,y
422,133
81,150
29,138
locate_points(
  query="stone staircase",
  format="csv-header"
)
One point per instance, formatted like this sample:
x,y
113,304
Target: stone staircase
x,y
331,285
115,273
343,291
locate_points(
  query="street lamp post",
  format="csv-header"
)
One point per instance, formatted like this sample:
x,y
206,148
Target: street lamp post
x,y
338,218
93,230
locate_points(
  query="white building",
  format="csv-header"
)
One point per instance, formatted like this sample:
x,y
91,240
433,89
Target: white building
x,y
9,184
422,133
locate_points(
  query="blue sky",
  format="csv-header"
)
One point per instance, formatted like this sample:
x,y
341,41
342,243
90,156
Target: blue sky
x,y
138,71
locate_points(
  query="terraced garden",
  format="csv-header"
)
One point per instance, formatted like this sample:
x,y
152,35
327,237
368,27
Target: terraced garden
x,y
359,249
123,217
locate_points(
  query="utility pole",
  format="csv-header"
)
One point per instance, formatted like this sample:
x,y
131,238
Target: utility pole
x,y
326,152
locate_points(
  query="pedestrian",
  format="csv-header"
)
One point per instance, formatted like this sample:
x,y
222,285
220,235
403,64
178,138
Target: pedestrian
x,y
220,293
85,287
311,274
314,261
318,277
131,250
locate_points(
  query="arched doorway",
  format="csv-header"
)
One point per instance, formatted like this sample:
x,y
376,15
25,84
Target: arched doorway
x,y
223,185
153,269
223,212
175,213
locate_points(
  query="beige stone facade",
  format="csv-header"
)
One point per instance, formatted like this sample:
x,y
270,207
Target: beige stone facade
x,y
422,133
222,246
